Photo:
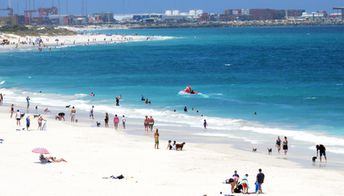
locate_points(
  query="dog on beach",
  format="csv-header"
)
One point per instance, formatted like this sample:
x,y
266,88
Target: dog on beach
x,y
254,149
314,159
269,151
180,146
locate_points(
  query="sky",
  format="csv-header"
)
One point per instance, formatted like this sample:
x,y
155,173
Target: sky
x,y
145,6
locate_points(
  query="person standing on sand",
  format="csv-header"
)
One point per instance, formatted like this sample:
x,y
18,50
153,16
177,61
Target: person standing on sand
x,y
146,123
92,113
205,124
156,139
259,182
278,144
124,120
27,123
18,117
1,98
169,146
12,110
27,102
72,114
151,123
116,121
174,147
40,123
106,119
285,145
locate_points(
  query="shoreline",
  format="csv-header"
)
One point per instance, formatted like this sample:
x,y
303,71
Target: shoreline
x,y
238,138
40,43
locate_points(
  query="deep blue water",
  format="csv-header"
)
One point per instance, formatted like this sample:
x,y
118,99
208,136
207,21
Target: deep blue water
x,y
290,76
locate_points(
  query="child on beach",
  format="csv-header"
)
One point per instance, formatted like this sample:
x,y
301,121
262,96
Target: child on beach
x,y
18,117
106,119
124,120
156,139
92,113
116,121
27,123
72,114
12,110
244,183
169,146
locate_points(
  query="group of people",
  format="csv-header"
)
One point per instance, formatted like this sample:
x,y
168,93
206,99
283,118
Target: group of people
x,y
148,123
283,144
242,185
19,116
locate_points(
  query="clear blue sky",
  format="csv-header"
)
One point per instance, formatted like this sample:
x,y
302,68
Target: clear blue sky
x,y
139,6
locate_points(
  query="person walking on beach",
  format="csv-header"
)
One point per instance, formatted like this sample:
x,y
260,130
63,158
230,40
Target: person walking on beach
x,y
92,113
116,121
1,98
205,124
156,139
278,144
285,145
124,120
72,114
27,123
146,123
12,110
321,150
27,102
18,117
151,123
106,119
259,181
40,123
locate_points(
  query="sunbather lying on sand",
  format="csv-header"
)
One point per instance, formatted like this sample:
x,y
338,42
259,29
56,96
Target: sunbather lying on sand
x,y
44,159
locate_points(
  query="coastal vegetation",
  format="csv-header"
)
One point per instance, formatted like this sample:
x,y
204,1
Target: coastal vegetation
x,y
35,30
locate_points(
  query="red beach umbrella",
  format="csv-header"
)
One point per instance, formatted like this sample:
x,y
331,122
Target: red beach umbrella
x,y
40,151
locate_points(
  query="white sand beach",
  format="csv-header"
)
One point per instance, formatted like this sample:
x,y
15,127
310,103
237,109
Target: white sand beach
x,y
50,42
94,153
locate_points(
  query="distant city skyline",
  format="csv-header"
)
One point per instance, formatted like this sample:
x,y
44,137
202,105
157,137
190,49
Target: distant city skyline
x,y
145,6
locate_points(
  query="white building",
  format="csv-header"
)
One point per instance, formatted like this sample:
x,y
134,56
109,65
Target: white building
x,y
175,12
312,15
168,12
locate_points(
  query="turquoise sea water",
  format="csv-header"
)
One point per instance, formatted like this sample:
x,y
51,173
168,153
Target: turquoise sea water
x,y
292,77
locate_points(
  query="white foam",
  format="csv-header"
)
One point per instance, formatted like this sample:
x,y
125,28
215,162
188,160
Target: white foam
x,y
230,128
2,82
226,135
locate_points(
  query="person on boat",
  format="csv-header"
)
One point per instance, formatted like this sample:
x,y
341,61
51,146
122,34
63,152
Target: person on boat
x,y
189,90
